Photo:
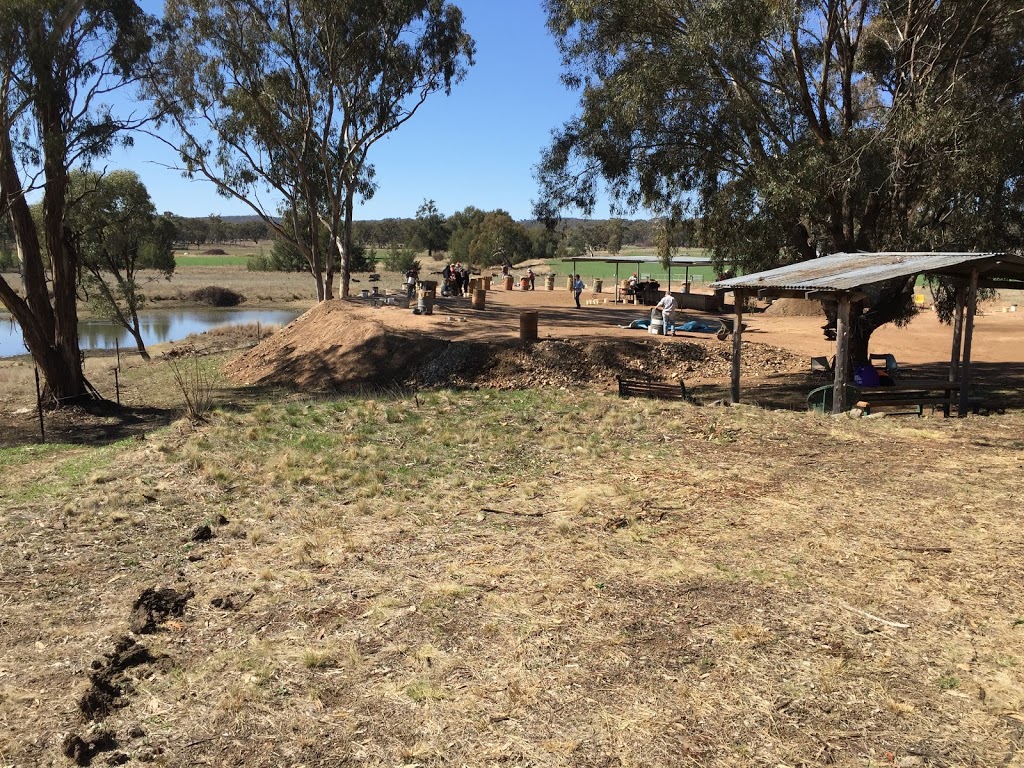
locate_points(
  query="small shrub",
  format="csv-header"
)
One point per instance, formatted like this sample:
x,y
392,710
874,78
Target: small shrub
x,y
195,386
215,296
399,259
260,262
215,252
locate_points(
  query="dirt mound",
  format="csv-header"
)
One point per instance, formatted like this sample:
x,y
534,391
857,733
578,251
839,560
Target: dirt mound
x,y
215,296
587,362
338,346
108,682
795,308
155,606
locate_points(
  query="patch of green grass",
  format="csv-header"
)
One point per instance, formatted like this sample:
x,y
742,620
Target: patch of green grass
x,y
23,454
184,262
62,474
948,683
421,690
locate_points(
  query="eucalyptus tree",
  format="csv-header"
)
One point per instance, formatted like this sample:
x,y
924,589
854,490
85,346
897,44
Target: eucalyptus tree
x,y
431,228
113,227
60,60
797,128
280,101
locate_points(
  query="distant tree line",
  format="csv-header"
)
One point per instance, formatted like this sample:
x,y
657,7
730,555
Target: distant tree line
x,y
483,237
216,229
471,235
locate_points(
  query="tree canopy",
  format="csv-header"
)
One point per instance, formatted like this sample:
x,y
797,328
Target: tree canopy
x,y
795,128
792,129
295,94
431,231
59,61
114,228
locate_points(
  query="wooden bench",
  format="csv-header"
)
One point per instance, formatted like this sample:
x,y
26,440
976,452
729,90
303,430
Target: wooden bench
x,y
916,393
663,390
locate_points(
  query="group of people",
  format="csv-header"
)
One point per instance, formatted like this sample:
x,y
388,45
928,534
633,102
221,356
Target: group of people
x,y
456,279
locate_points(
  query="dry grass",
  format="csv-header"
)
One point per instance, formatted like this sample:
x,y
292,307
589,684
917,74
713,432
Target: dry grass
x,y
691,595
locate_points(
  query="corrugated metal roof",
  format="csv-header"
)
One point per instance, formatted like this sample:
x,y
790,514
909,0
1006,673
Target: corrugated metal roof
x,y
847,271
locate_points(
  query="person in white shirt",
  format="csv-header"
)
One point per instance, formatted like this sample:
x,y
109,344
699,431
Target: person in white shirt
x,y
668,305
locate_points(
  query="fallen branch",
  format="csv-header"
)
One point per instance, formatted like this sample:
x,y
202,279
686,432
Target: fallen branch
x,y
945,550
872,616
511,512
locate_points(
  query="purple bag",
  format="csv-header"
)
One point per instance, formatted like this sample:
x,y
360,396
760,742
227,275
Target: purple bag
x,y
866,376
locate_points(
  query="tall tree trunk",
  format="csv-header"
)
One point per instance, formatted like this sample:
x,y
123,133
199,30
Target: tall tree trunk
x,y
139,343
346,234
50,331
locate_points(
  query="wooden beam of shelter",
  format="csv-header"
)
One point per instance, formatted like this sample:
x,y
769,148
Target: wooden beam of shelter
x,y
965,366
842,366
738,298
958,333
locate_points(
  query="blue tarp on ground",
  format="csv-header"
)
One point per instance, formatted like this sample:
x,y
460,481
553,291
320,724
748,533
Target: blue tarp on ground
x,y
691,326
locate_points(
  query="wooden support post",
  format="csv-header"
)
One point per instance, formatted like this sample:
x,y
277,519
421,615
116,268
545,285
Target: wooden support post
x,y
737,341
842,367
958,333
965,365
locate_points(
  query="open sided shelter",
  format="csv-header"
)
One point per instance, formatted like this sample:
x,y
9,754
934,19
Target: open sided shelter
x,y
843,278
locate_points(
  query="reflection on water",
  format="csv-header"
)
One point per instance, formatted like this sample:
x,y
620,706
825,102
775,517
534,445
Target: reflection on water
x,y
157,326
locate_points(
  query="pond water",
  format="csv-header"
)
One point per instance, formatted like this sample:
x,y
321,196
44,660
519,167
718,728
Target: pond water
x,y
157,326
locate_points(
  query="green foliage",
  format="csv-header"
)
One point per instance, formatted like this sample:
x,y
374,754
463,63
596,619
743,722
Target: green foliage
x,y
784,158
61,64
296,93
615,232
798,130
431,231
401,259
499,235
115,231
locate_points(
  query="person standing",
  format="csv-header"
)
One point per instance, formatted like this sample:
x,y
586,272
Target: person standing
x,y
446,276
668,305
410,283
532,278
577,289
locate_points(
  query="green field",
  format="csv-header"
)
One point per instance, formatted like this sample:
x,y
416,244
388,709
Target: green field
x,y
589,270
235,254
211,261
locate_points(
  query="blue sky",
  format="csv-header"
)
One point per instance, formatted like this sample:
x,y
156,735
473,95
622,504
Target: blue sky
x,y
475,147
